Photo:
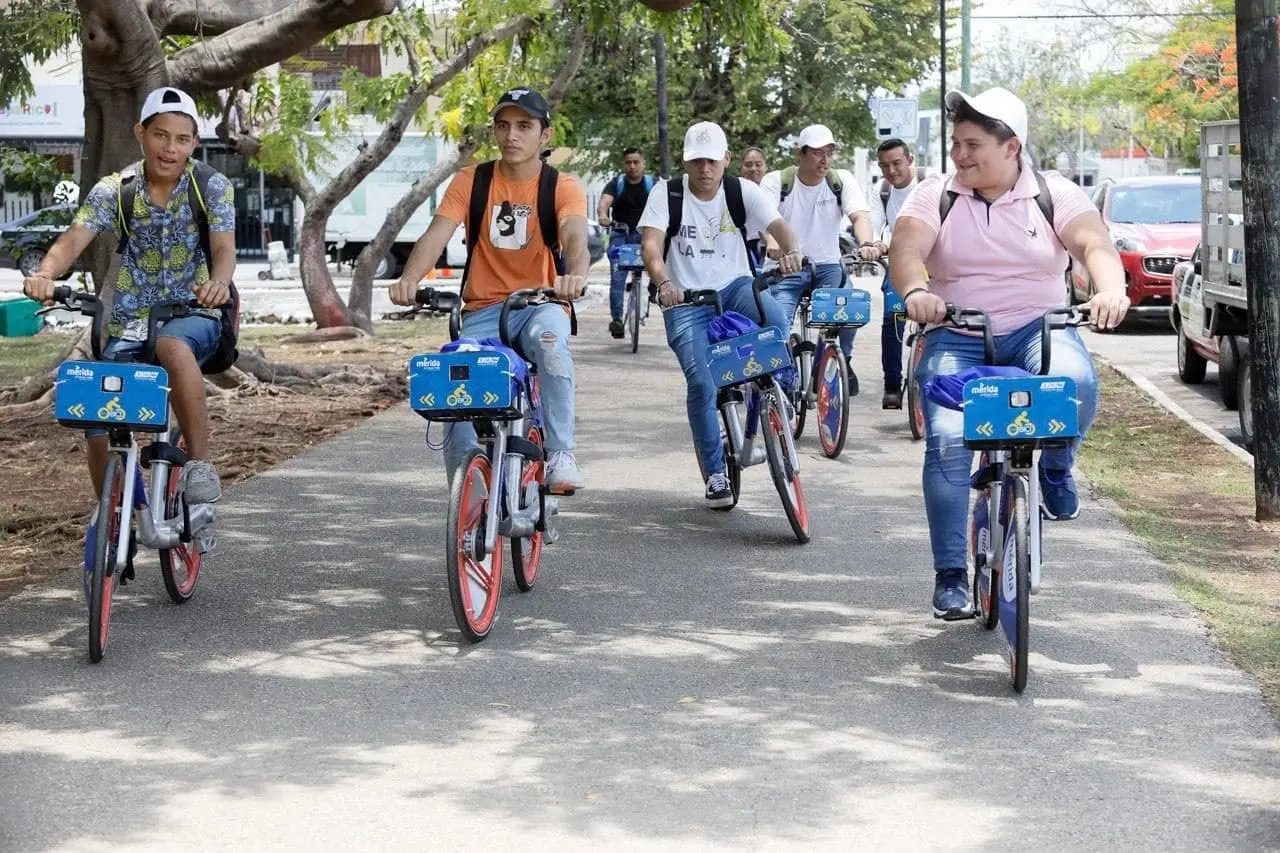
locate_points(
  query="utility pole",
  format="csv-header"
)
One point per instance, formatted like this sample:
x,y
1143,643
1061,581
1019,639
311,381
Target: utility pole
x,y
1258,53
942,83
660,70
965,45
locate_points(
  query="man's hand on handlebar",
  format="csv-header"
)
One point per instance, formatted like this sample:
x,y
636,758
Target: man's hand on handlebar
x,y
871,252
670,294
570,287
605,222
791,263
213,294
1107,308
926,308
39,288
403,291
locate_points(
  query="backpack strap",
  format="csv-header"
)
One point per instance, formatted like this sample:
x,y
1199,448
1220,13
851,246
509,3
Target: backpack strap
x,y
198,176
125,199
946,201
675,212
738,212
482,180
837,187
648,183
548,223
618,185
786,182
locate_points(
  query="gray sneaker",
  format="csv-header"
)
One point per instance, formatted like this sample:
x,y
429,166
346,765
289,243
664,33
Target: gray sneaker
x,y
201,482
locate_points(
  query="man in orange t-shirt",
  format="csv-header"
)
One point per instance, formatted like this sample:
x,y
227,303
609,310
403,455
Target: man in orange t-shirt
x,y
510,254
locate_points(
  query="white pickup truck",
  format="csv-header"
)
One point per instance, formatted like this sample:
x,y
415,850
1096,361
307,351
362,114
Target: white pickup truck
x,y
1211,306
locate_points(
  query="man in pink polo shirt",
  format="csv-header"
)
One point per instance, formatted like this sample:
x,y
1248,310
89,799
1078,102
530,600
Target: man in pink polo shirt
x,y
997,252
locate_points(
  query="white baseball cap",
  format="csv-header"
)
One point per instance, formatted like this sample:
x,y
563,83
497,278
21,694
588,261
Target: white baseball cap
x,y
816,136
705,141
999,104
167,99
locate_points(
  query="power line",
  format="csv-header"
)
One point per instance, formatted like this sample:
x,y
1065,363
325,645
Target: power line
x,y
1119,15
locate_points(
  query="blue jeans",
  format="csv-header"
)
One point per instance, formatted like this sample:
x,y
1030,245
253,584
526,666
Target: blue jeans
x,y
892,333
790,289
541,334
687,337
200,334
618,277
947,461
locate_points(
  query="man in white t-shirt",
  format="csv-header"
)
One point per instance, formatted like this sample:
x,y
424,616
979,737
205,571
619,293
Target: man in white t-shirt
x,y
708,251
897,167
815,200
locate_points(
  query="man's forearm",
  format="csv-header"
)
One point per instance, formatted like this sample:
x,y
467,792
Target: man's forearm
x,y
862,228
603,208
224,265
577,258
426,251
654,263
61,255
1105,268
781,232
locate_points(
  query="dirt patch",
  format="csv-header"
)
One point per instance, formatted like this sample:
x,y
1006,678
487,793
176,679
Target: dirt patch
x,y
47,500
1192,504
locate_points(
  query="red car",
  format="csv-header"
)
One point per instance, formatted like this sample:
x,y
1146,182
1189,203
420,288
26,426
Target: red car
x,y
1155,223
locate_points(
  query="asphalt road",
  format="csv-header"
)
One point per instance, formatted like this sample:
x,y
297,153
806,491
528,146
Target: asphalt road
x,y
679,679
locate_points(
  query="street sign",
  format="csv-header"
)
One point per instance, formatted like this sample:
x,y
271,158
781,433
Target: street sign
x,y
895,118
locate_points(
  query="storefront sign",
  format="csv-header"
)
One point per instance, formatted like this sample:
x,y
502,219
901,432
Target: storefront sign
x,y
54,111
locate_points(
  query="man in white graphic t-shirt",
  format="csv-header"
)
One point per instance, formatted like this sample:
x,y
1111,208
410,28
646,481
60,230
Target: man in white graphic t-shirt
x,y
708,251
815,199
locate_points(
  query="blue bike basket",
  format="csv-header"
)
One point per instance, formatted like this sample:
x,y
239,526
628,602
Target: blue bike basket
x,y
1013,408
112,394
467,380
745,357
628,257
839,306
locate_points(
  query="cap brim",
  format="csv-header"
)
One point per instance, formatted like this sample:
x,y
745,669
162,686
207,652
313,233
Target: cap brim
x,y
500,107
703,155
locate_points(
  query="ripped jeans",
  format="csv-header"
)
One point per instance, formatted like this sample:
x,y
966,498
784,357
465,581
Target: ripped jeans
x,y
541,334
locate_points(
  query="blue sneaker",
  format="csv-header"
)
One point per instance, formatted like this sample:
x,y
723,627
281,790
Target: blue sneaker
x,y
1058,498
951,595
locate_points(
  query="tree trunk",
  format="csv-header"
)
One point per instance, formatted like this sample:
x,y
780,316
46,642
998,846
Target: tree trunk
x,y
660,73
122,64
327,307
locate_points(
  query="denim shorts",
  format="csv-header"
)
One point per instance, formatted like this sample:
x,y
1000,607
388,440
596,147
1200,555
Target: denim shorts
x,y
200,334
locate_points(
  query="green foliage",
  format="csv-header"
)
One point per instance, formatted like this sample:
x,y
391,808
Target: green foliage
x,y
32,31
25,172
763,70
283,108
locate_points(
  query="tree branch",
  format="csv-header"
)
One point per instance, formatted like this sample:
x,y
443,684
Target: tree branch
x,y
207,17
218,62
573,64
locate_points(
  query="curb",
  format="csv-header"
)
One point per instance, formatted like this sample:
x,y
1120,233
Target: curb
x,y
1182,414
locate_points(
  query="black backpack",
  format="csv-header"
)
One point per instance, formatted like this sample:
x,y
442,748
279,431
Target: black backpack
x,y
547,222
1044,201
198,176
732,199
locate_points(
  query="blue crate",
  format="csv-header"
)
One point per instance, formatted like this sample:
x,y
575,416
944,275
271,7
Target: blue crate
x,y
839,306
629,257
1016,411
112,394
748,356
466,385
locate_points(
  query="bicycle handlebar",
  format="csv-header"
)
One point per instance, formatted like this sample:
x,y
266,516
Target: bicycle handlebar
x,y
972,319
90,305
531,297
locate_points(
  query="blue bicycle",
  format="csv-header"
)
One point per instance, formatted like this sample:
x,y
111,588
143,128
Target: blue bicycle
x,y
636,311
499,489
126,398
1008,419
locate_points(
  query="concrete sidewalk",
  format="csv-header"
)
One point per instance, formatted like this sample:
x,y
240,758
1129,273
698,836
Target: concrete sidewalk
x,y
679,679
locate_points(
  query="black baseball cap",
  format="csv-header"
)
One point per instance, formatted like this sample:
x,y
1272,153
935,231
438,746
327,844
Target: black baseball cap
x,y
527,100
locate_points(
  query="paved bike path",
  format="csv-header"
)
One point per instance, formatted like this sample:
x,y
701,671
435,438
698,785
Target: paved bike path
x,y
679,679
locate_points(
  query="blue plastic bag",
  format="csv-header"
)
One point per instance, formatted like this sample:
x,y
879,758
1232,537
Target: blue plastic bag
x,y
947,390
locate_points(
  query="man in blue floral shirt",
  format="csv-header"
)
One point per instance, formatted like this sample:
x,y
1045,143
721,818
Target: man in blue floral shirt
x,y
164,260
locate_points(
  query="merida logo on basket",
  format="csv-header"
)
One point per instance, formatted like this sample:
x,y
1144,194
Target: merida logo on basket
x,y
428,364
1058,385
80,372
983,390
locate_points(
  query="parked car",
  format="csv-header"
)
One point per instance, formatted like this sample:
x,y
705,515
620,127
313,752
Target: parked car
x,y
24,241
1155,223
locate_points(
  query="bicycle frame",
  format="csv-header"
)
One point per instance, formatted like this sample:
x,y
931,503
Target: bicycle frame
x,y
741,429
1009,464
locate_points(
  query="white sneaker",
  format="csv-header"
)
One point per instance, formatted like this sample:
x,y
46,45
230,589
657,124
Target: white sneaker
x,y
719,491
563,476
201,482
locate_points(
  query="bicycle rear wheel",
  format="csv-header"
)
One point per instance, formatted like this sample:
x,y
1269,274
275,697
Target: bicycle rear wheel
x,y
102,584
785,478
179,566
915,402
1015,582
475,578
526,552
633,315
833,401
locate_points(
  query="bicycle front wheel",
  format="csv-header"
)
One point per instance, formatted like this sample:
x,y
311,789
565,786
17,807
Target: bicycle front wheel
x,y
475,577
526,552
915,404
633,316
179,566
1015,582
110,519
833,401
785,477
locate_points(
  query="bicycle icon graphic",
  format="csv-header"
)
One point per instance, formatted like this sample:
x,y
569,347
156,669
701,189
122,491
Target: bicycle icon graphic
x,y
112,411
459,397
1021,425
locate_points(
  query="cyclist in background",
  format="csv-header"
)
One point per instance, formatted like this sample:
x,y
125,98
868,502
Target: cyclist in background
x,y
621,202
